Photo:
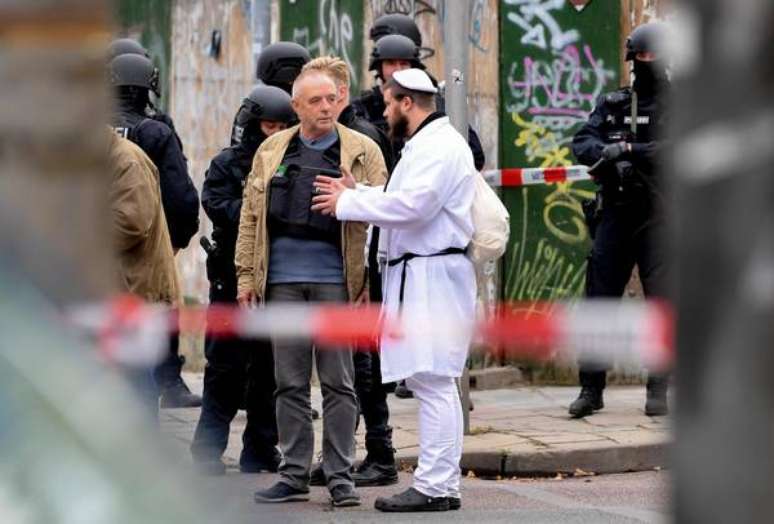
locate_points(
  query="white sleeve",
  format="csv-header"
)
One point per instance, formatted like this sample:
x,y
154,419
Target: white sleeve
x,y
364,187
423,193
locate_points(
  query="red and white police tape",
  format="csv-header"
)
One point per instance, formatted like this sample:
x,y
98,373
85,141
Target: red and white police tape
x,y
528,176
630,333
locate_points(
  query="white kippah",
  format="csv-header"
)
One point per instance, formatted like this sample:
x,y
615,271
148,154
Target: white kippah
x,y
415,80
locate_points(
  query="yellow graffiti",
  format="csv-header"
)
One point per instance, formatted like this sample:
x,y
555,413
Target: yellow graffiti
x,y
566,198
544,280
540,144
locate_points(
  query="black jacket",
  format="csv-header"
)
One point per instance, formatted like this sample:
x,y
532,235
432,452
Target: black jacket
x,y
222,190
178,194
370,106
610,122
360,124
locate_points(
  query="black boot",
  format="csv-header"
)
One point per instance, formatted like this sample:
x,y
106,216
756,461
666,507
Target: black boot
x,y
401,391
177,395
378,468
212,467
411,500
589,401
656,400
251,462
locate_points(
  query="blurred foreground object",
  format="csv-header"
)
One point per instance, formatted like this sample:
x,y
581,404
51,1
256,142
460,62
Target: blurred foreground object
x,y
74,444
724,242
52,181
74,447
632,333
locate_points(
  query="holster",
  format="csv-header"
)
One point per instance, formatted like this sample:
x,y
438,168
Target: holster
x,y
592,213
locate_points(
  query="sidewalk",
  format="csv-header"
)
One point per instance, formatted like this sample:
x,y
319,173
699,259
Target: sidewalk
x,y
515,432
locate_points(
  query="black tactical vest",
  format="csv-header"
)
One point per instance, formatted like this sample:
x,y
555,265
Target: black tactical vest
x,y
291,190
126,124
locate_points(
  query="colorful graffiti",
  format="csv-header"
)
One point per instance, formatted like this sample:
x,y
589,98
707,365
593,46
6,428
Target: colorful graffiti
x,y
331,27
554,68
562,89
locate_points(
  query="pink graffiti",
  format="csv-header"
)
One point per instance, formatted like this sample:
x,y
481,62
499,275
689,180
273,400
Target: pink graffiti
x,y
566,85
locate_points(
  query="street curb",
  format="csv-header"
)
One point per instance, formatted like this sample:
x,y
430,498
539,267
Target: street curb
x,y
613,459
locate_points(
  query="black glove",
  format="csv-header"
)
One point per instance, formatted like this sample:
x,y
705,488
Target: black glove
x,y
613,152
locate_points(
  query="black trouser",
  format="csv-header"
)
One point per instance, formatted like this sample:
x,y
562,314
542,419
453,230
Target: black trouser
x,y
167,373
372,397
238,372
371,393
627,234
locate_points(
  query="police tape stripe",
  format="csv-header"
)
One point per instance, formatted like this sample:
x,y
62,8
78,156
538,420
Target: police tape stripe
x,y
635,332
516,177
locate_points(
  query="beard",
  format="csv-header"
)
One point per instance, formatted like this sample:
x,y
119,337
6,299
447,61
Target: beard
x,y
399,128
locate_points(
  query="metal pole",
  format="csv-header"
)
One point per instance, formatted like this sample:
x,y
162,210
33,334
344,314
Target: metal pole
x,y
723,115
455,35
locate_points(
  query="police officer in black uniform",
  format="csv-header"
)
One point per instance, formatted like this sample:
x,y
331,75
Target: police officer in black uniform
x,y
134,77
280,63
396,24
395,52
621,141
127,46
238,371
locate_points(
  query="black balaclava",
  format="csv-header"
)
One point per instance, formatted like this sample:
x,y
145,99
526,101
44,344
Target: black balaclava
x,y
246,130
649,77
133,99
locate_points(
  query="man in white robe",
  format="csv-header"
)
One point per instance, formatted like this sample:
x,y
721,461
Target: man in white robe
x,y
425,216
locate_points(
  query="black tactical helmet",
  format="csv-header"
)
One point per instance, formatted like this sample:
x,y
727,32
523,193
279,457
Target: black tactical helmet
x,y
647,38
280,63
126,46
395,47
263,103
396,24
134,71
269,103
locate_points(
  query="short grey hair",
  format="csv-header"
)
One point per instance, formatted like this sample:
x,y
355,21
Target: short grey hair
x,y
306,74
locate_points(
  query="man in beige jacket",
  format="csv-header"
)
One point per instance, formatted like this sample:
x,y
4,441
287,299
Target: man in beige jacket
x,y
145,262
287,253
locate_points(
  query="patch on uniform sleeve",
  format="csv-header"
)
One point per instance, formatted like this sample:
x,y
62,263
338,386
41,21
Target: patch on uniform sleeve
x,y
640,120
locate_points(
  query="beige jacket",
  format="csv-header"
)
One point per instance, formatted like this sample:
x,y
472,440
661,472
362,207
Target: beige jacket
x,y
364,159
140,235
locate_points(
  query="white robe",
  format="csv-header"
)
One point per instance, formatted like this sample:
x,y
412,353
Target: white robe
x,y
426,209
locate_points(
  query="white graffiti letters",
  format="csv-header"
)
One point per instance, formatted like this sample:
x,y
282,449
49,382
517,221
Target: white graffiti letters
x,y
535,18
336,33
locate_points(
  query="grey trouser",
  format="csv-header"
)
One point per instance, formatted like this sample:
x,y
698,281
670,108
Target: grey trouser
x,y
293,372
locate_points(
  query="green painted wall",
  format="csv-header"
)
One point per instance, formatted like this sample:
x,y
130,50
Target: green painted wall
x,y
150,21
327,27
554,62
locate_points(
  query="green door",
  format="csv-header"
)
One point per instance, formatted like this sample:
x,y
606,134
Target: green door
x,y
150,21
555,61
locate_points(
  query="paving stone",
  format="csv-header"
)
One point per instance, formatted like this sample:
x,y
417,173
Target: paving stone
x,y
528,431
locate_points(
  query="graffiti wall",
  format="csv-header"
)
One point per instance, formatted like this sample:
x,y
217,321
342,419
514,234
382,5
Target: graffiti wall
x,y
326,27
556,58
